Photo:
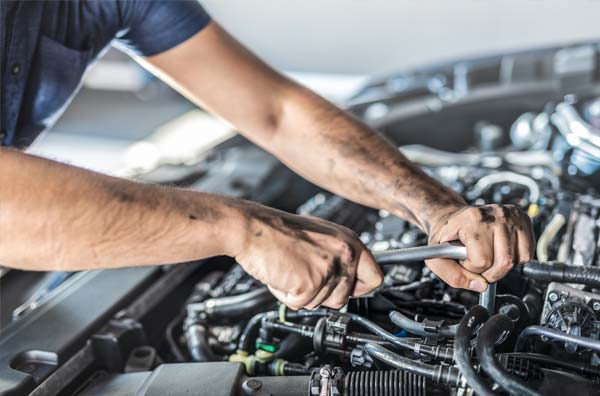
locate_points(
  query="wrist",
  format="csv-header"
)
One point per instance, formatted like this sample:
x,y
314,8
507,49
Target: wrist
x,y
440,214
427,214
235,228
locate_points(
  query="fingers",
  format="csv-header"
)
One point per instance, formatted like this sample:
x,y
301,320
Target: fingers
x,y
368,274
526,243
322,296
456,276
480,250
339,296
505,254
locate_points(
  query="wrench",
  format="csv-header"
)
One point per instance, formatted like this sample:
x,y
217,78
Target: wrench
x,y
452,251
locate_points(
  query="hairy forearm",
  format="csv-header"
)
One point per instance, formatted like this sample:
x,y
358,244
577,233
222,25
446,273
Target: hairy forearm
x,y
309,134
340,153
58,217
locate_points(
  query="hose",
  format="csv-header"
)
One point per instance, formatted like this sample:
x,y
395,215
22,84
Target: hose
x,y
244,341
197,342
462,356
437,352
491,333
559,272
550,231
232,306
509,177
412,326
555,335
440,373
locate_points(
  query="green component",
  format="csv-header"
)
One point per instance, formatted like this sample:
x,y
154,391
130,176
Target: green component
x,y
266,347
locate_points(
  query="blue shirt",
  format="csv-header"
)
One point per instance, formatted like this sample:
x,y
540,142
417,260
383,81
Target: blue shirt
x,y
46,46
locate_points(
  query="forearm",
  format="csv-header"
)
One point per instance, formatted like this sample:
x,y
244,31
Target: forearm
x,y
340,153
58,217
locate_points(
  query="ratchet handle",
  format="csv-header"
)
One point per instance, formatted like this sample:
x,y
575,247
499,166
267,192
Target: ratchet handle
x,y
452,251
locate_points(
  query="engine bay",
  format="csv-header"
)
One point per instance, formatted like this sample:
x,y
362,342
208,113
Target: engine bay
x,y
208,328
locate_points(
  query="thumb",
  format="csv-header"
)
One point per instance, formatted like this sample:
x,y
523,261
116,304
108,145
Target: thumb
x,y
368,274
457,276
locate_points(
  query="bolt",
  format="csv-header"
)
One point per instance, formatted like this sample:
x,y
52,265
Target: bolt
x,y
252,386
596,306
553,297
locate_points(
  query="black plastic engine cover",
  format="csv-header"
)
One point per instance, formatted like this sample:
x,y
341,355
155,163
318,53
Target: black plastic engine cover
x,y
197,379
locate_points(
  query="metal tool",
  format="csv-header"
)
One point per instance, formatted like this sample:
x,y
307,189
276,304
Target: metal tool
x,y
420,253
453,251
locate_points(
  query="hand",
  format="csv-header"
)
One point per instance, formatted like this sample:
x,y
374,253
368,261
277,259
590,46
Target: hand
x,y
306,262
497,238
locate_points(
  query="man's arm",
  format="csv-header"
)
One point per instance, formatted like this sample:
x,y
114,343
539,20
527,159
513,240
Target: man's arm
x,y
57,217
338,152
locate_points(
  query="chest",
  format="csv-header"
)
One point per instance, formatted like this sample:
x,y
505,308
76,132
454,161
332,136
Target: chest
x,y
46,49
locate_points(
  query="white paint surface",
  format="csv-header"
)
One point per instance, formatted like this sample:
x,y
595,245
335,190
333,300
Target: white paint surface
x,y
377,36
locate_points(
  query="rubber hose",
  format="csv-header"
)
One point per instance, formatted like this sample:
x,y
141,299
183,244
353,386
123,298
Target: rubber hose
x,y
462,356
244,341
550,231
491,333
197,342
233,306
440,373
555,335
412,326
559,272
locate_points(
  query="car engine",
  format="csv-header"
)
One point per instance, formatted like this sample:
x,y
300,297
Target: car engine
x,y
208,328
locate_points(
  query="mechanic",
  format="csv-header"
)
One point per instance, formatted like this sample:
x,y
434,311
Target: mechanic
x,y
58,217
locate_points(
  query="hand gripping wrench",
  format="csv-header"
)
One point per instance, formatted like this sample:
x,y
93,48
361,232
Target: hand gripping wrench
x,y
451,251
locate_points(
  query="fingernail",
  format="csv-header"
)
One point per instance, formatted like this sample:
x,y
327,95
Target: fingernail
x,y
478,285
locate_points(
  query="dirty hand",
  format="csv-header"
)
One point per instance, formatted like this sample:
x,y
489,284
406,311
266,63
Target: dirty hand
x,y
306,262
497,238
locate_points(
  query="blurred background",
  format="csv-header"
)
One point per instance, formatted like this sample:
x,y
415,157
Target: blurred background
x,y
333,46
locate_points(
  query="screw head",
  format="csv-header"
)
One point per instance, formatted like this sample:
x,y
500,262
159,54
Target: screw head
x,y
252,386
553,296
596,306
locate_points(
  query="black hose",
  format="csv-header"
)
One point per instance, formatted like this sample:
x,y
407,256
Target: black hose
x,y
439,373
197,342
559,272
462,356
492,332
244,341
412,326
438,352
233,306
173,345
555,335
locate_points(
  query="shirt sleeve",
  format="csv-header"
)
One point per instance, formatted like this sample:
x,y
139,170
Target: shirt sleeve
x,y
151,27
